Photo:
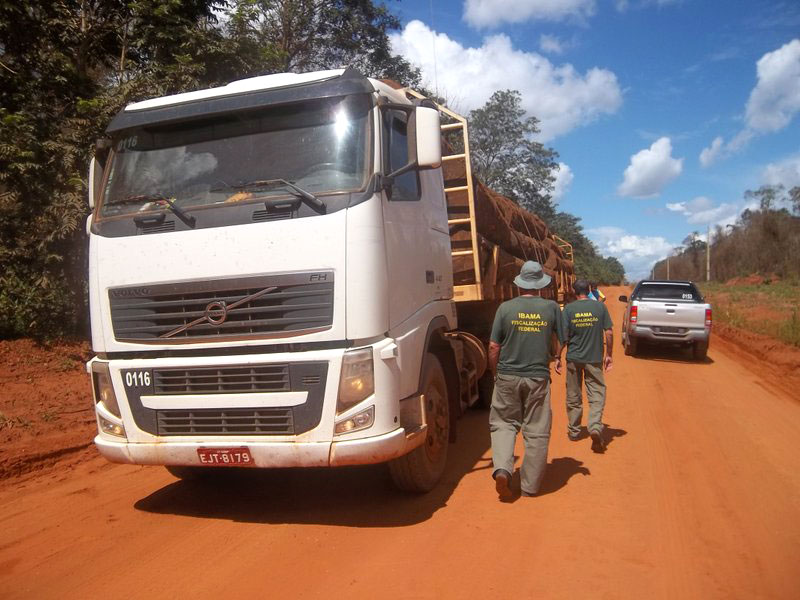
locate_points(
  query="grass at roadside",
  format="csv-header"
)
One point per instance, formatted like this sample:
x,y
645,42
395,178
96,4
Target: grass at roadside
x,y
769,309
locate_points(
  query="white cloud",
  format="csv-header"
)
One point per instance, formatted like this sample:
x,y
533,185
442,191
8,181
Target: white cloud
x,y
785,172
636,253
773,102
650,170
550,44
702,211
776,98
623,5
559,96
563,181
715,215
491,13
709,155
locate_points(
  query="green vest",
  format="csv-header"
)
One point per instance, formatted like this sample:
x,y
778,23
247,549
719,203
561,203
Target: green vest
x,y
584,324
523,327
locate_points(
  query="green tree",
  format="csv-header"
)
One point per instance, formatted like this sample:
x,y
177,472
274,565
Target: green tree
x,y
506,157
66,67
308,35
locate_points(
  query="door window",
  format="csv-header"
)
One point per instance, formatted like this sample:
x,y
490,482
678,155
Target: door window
x,y
405,186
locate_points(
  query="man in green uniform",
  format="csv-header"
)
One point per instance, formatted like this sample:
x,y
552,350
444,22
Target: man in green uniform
x,y
586,324
526,334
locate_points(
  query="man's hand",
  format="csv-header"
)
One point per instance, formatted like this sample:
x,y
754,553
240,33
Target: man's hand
x,y
607,363
558,365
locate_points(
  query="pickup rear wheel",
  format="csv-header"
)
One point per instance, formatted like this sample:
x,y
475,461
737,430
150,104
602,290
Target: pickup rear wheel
x,y
420,470
700,350
631,346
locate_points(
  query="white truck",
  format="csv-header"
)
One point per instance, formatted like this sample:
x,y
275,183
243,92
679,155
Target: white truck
x,y
667,313
271,280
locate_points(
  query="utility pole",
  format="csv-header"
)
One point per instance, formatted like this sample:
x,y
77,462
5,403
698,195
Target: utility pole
x,y
667,267
708,253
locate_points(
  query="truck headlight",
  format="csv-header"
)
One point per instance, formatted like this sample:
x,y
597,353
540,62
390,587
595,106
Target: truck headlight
x,y
103,389
357,381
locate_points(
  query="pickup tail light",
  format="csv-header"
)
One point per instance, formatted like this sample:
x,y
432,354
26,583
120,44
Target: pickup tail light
x,y
635,314
708,317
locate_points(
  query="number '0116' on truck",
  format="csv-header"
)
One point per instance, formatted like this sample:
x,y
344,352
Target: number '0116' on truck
x,y
271,280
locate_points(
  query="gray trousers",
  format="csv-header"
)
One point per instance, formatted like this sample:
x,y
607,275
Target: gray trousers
x,y
592,374
521,403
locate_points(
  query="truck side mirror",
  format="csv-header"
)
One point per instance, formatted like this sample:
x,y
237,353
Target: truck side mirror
x,y
423,138
97,168
428,135
623,299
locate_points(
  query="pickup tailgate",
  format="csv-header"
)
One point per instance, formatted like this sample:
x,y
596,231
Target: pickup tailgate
x,y
672,316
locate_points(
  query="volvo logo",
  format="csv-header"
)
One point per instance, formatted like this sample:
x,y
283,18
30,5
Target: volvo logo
x,y
129,292
216,312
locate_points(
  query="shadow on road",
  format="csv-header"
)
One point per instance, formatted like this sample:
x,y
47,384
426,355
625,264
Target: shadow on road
x,y
346,496
669,354
559,472
610,434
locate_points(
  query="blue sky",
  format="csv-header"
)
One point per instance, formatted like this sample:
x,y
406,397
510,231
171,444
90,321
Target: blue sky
x,y
663,112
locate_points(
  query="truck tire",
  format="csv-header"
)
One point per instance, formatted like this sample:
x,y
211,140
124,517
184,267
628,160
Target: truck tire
x,y
631,346
700,350
420,470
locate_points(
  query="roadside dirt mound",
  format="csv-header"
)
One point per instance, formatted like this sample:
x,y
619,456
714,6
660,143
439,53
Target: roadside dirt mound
x,y
753,279
46,412
761,353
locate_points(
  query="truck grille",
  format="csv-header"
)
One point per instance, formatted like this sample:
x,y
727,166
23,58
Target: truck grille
x,y
247,307
221,380
189,416
240,421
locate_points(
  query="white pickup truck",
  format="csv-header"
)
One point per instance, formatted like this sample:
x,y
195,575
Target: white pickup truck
x,y
666,312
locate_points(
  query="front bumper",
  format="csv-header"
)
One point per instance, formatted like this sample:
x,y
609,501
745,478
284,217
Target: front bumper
x,y
376,449
395,430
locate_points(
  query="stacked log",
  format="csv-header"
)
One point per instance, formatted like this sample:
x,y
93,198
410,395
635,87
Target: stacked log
x,y
520,234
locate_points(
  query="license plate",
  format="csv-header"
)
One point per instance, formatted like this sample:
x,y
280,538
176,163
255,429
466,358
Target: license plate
x,y
226,457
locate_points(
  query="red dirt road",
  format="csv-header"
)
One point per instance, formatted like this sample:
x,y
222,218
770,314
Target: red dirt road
x,y
698,496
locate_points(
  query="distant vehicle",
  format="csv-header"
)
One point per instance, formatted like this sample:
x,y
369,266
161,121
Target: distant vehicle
x,y
666,312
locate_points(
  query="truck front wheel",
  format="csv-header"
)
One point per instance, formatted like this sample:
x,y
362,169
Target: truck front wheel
x,y
420,470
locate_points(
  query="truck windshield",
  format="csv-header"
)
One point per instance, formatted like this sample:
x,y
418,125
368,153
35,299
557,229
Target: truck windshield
x,y
321,146
668,291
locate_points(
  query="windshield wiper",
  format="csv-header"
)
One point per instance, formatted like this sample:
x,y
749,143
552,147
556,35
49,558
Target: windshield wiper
x,y
170,202
304,195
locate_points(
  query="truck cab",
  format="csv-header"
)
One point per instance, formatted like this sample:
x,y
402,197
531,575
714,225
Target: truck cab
x,y
270,280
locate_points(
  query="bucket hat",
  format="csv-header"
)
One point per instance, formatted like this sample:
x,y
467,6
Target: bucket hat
x,y
532,276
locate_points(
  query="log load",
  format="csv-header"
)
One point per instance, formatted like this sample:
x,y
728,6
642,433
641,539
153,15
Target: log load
x,y
507,234
519,234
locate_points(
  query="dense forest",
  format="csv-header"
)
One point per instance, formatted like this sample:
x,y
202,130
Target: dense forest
x,y
765,240
67,66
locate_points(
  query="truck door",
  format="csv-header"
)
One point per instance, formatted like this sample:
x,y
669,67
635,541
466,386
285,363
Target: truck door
x,y
415,218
